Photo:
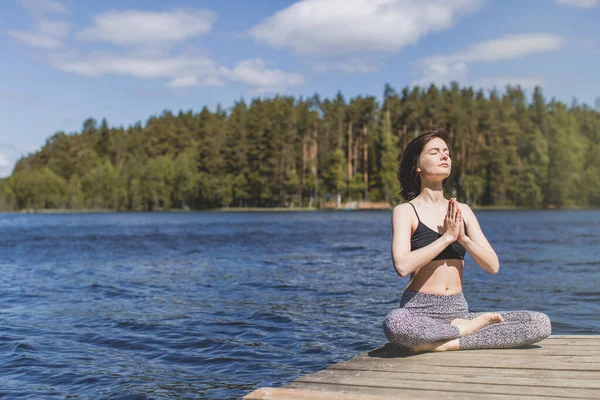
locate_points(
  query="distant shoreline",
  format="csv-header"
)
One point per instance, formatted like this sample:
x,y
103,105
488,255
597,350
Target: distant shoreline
x,y
172,210
263,209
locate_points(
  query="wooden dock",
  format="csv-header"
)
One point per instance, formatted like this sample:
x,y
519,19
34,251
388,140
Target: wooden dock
x,y
558,367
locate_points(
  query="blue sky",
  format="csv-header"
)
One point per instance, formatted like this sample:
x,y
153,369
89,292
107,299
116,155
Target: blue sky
x,y
67,60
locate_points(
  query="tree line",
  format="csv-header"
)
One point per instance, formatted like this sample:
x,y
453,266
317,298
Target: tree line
x,y
507,151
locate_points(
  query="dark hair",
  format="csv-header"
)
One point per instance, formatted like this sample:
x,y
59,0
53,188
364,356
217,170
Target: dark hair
x,y
410,181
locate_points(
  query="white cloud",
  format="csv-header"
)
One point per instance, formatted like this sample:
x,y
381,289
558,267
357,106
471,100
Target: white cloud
x,y
341,27
183,81
41,7
577,3
6,166
505,48
49,33
182,71
254,73
148,38
53,28
443,69
37,40
443,73
134,27
137,66
189,81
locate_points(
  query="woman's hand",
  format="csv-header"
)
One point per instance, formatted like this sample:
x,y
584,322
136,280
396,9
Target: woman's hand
x,y
453,220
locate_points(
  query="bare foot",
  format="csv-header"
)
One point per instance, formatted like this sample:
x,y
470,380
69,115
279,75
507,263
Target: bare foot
x,y
423,347
440,345
467,327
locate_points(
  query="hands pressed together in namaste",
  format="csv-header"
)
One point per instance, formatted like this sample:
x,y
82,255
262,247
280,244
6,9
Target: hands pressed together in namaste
x,y
454,226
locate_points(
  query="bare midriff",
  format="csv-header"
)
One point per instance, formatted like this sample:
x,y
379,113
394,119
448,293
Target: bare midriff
x,y
442,277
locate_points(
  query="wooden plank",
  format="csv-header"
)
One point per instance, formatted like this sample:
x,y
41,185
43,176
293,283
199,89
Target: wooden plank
x,y
582,340
506,362
578,337
425,393
388,351
472,371
392,380
490,359
591,355
547,351
569,342
552,354
305,394
482,384
558,367
572,344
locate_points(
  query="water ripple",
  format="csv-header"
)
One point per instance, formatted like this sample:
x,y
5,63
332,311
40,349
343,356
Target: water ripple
x,y
214,305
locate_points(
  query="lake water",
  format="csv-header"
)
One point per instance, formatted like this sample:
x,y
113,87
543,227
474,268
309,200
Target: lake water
x,y
215,305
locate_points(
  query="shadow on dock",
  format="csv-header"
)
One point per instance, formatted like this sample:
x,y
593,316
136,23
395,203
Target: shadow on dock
x,y
390,350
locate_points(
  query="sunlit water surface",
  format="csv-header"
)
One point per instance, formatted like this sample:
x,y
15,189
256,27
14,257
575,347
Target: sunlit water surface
x,y
215,305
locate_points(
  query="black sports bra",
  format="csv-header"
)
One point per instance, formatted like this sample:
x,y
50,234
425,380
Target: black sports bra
x,y
424,236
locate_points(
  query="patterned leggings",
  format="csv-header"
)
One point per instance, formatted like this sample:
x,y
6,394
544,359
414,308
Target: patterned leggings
x,y
425,318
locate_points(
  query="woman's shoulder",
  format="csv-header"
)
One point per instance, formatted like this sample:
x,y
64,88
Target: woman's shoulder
x,y
402,208
403,215
403,211
466,210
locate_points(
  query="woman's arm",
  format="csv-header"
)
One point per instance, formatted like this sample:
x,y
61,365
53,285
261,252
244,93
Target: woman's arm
x,y
476,243
406,261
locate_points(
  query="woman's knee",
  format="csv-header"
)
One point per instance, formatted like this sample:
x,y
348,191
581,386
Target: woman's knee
x,y
541,324
395,321
397,327
537,328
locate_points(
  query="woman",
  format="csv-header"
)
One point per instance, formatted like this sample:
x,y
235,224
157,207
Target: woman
x,y
430,236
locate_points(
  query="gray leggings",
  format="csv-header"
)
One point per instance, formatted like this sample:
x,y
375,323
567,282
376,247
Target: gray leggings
x,y
425,318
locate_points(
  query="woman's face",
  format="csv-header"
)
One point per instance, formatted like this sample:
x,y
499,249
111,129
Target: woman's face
x,y
435,158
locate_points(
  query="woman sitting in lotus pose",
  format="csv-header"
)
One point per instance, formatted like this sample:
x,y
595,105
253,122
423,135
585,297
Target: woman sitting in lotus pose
x,y
430,236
